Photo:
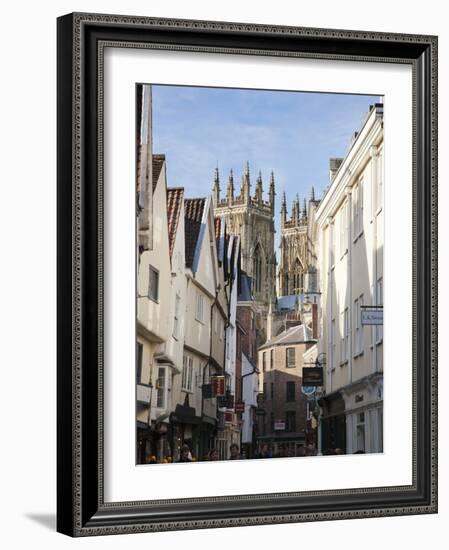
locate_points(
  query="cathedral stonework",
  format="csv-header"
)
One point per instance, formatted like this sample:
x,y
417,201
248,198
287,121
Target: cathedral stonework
x,y
297,267
252,218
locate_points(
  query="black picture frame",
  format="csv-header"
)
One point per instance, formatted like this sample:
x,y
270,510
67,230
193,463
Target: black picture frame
x,y
81,510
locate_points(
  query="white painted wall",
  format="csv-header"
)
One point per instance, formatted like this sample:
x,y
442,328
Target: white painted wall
x,y
250,384
350,267
155,315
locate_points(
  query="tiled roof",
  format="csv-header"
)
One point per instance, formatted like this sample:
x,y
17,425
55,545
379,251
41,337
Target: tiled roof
x,y
158,162
193,214
175,196
294,335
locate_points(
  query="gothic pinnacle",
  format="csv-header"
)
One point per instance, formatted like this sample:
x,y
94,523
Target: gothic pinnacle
x,y
216,186
284,201
230,190
312,193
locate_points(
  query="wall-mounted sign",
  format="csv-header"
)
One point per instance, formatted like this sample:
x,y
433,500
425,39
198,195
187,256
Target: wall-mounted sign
x,y
239,407
308,390
312,376
279,425
226,401
218,385
372,315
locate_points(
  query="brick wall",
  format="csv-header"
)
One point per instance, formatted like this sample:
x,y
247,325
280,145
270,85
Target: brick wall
x,y
276,376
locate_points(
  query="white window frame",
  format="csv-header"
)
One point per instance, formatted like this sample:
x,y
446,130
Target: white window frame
x,y
379,302
358,327
344,352
176,320
360,428
380,182
332,344
358,209
153,296
187,373
288,363
199,307
161,388
344,228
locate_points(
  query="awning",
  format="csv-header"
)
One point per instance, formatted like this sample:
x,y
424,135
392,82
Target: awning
x,y
184,414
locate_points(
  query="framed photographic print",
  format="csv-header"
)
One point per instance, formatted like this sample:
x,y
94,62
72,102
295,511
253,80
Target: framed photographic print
x,y
247,278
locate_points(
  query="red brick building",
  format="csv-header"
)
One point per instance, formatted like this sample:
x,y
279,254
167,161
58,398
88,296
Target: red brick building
x,y
280,362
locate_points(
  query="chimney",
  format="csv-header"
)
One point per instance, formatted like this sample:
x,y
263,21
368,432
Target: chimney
x,y
334,165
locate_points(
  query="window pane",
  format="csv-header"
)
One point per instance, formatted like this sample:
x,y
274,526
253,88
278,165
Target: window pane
x,y
153,288
290,357
290,390
161,388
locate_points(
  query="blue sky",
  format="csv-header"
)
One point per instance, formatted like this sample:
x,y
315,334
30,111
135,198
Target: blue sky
x,y
292,133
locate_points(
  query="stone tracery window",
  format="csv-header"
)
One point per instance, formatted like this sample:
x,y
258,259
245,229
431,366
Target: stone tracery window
x,y
298,278
257,269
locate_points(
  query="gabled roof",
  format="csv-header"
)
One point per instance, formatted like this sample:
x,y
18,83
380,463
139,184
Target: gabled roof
x,y
175,196
158,162
294,335
193,215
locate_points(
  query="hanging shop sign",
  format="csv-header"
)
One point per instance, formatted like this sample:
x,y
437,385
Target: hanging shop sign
x,y
239,407
312,376
372,315
218,385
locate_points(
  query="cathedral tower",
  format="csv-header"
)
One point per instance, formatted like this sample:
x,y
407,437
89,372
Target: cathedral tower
x,y
251,216
297,257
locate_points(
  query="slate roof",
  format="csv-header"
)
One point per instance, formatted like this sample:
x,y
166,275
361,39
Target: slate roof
x,y
158,162
175,196
293,335
245,292
289,302
193,214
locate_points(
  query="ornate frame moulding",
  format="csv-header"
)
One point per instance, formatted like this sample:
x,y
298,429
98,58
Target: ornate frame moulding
x,y
82,38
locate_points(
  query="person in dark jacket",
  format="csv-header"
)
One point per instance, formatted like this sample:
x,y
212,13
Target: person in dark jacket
x,y
185,454
235,452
